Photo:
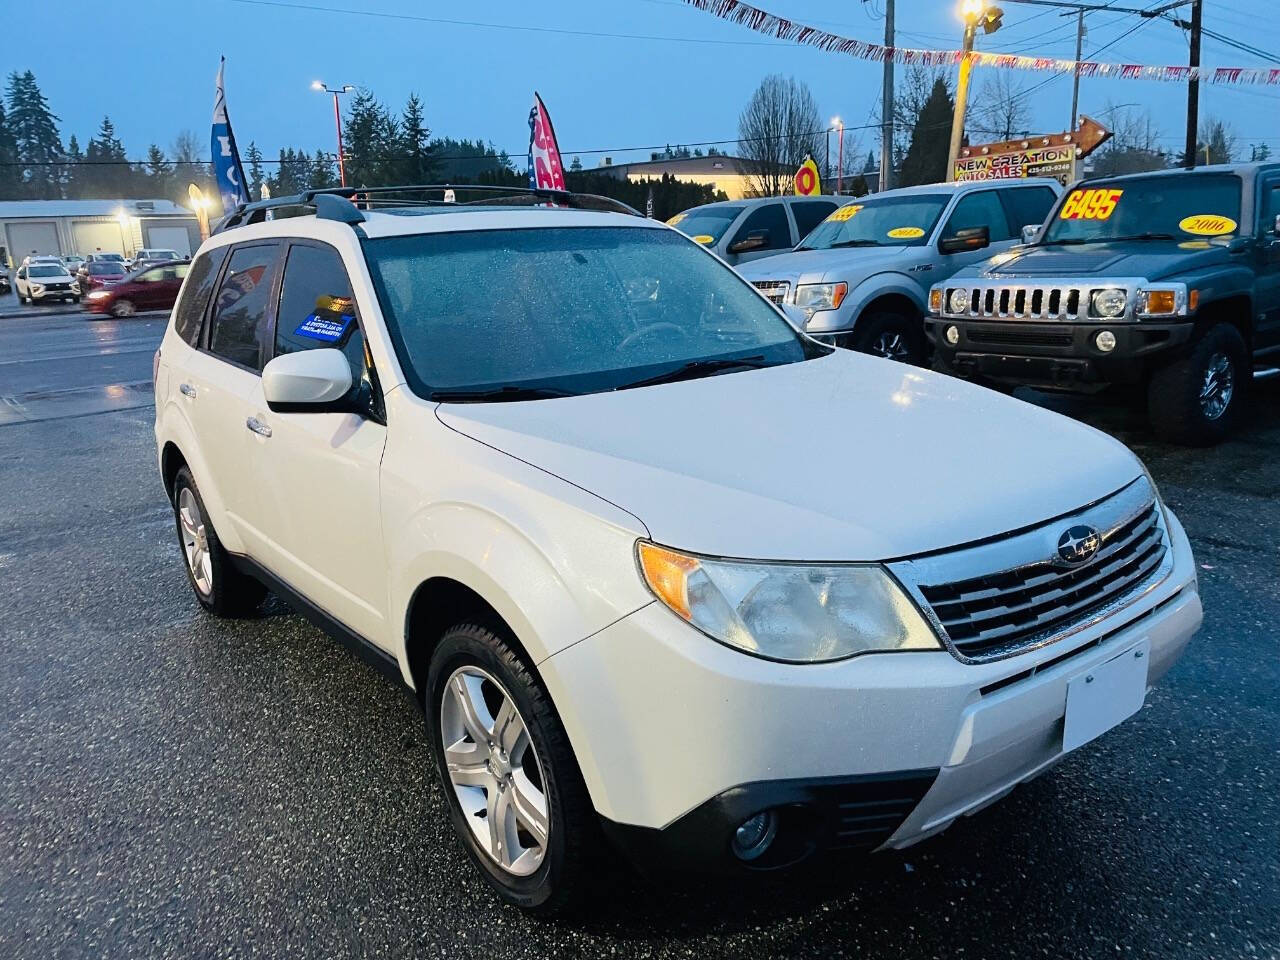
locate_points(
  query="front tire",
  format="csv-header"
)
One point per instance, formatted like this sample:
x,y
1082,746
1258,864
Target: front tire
x,y
1196,400
515,793
221,589
893,336
123,308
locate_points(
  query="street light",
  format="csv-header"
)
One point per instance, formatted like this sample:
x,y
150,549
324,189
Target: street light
x,y
839,125
337,120
974,13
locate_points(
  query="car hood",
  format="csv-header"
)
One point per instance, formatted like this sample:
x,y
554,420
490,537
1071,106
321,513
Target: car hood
x,y
1152,261
847,457
851,264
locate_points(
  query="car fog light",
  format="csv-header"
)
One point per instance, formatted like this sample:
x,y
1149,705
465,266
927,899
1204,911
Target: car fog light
x,y
953,335
755,835
1106,341
958,302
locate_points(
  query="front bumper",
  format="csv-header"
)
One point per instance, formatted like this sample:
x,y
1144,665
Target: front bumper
x,y
1062,355
680,739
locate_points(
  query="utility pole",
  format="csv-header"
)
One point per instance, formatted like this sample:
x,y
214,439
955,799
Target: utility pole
x,y
962,98
1075,90
1193,86
886,106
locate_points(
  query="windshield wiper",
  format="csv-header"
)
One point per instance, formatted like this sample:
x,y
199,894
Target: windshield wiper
x,y
1136,237
699,368
855,243
508,392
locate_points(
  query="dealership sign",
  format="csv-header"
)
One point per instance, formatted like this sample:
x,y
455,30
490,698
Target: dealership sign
x,y
1054,155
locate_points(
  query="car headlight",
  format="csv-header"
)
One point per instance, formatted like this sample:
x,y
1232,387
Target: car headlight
x,y
796,613
958,302
1110,303
37,288
99,295
821,296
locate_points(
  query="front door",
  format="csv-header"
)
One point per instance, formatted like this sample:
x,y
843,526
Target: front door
x,y
1268,266
317,474
769,219
980,209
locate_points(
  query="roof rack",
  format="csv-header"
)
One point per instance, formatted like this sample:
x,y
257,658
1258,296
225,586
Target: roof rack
x,y
344,204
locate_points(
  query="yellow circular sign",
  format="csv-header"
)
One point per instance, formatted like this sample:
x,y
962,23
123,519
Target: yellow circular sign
x,y
906,233
704,239
676,219
1195,245
1208,225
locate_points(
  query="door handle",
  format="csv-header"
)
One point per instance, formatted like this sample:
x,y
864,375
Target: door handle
x,y
187,390
258,427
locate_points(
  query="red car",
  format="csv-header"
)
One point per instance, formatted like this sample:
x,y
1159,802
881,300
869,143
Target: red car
x,y
98,273
155,288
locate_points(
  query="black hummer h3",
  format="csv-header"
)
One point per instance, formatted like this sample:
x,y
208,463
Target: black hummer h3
x,y
1166,280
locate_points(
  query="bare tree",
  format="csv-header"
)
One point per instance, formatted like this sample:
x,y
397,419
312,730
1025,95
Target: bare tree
x,y
1003,112
776,131
1134,146
185,148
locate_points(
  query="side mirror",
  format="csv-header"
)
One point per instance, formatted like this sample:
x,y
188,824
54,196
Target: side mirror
x,y
310,381
1030,232
1276,226
755,240
963,241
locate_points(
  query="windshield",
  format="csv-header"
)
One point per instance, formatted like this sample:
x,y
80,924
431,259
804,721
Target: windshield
x,y
43,270
904,221
118,258
105,269
567,310
706,224
1189,208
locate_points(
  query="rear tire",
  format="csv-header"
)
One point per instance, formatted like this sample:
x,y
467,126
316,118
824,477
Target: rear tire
x,y
221,589
475,661
892,336
1196,400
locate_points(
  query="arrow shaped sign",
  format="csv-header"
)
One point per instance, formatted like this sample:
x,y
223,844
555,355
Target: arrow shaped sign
x,y
1045,155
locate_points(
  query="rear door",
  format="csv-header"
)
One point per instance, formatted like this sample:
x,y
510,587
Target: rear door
x,y
316,475
1027,206
809,213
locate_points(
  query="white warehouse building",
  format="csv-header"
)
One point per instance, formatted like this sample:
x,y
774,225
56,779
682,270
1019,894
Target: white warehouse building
x,y
62,227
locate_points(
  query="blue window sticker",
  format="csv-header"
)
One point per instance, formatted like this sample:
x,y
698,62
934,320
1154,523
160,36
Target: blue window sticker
x,y
324,329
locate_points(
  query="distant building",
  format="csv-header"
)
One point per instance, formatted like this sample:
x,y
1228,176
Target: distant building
x,y
62,227
719,172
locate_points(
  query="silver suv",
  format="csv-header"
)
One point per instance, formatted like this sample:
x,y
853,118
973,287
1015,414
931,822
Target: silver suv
x,y
740,231
861,279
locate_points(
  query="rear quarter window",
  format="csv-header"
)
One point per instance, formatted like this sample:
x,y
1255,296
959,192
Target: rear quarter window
x,y
189,311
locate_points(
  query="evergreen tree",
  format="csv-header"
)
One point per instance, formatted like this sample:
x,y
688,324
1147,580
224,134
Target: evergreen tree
x,y
418,164
107,173
255,174
372,142
34,129
323,171
73,171
576,166
9,177
159,173
926,159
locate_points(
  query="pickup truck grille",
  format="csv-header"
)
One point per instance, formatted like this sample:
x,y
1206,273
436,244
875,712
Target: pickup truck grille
x,y
774,290
1014,594
1033,303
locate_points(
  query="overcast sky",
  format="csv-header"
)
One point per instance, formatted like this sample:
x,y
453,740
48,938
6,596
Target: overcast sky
x,y
150,65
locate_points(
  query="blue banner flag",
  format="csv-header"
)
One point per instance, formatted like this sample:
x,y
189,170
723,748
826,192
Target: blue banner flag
x,y
226,158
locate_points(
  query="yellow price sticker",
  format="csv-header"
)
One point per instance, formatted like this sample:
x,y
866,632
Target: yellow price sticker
x,y
1096,204
676,219
906,233
704,239
845,213
1208,225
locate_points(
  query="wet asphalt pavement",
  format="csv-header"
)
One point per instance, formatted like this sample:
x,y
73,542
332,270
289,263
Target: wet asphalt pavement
x,y
176,786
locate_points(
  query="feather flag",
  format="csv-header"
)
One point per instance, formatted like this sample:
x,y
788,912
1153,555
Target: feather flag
x,y
808,183
546,172
226,158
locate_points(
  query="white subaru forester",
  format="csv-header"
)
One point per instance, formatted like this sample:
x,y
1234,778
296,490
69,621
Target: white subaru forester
x,y
556,468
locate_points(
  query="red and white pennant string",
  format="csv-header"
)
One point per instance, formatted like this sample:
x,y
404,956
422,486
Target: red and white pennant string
x,y
781,28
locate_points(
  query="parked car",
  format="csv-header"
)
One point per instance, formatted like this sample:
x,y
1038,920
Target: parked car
x,y
589,555
1168,280
42,281
6,285
99,256
150,257
861,280
73,262
154,288
744,230
99,273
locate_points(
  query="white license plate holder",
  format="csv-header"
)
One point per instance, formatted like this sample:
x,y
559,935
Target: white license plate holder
x,y
1105,695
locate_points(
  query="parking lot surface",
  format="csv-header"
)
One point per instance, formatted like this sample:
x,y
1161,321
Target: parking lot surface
x,y
176,786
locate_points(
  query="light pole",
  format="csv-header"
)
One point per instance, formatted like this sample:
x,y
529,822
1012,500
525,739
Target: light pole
x,y
973,13
839,125
337,121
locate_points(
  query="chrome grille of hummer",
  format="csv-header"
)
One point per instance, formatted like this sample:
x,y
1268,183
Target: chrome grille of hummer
x,y
1016,593
775,290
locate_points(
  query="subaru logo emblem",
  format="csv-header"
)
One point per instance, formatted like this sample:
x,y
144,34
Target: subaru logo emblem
x,y
1078,544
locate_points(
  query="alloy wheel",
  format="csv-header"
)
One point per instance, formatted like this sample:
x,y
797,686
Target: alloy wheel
x,y
123,308
195,541
891,346
494,770
1218,386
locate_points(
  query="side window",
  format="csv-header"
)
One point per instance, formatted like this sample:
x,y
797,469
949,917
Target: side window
x,y
1027,206
1270,208
981,209
810,213
240,307
154,275
317,309
771,217
189,312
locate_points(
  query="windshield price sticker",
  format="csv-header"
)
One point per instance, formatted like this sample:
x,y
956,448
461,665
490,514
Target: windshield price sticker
x,y
320,328
906,233
705,239
845,213
1208,225
676,219
1097,204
